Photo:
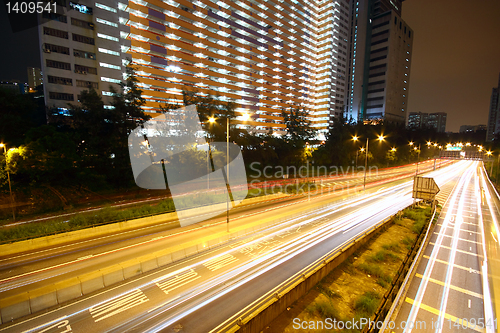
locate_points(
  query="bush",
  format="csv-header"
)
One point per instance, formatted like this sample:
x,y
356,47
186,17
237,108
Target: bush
x,y
326,309
370,269
367,303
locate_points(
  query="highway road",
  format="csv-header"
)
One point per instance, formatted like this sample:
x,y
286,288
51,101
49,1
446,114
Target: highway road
x,y
450,290
201,292
40,267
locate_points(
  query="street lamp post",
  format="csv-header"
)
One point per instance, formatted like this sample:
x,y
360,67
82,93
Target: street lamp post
x,y
246,116
8,178
418,158
380,138
366,165
355,139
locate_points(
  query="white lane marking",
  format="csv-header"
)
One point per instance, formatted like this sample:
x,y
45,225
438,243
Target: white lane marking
x,y
117,305
163,304
469,304
176,281
220,262
55,324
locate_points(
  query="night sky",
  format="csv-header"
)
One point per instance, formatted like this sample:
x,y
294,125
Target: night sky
x,y
20,50
456,57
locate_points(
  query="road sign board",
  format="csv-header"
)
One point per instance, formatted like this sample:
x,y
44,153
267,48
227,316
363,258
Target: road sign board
x,y
424,188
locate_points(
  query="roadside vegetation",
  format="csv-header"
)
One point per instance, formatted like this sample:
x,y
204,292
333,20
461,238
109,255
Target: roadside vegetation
x,y
108,215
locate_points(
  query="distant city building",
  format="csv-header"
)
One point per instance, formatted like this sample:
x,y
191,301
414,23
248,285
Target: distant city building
x,y
435,120
494,115
380,61
417,119
15,85
438,121
472,128
34,77
83,48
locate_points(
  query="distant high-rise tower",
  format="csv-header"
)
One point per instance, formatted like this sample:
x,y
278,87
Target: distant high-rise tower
x,y
380,61
438,121
34,77
494,116
417,120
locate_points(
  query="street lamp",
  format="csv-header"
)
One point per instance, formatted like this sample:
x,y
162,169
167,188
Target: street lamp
x,y
355,139
418,157
380,139
245,117
8,177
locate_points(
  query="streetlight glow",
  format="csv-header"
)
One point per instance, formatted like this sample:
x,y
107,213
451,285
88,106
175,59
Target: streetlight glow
x,y
245,116
355,138
381,138
211,120
411,143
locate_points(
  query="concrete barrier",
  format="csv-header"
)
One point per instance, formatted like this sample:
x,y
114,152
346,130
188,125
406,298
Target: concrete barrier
x,y
93,232
91,282
68,290
43,298
112,275
131,268
164,259
14,307
148,264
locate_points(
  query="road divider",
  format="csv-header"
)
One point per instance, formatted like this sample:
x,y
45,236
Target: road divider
x,y
109,229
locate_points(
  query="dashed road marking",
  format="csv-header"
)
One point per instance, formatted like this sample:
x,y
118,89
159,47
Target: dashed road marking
x,y
453,319
178,280
220,262
457,250
468,269
465,291
117,305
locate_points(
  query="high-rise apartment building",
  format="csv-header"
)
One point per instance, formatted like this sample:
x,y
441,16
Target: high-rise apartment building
x,y
266,55
417,119
82,45
34,77
435,120
381,51
494,115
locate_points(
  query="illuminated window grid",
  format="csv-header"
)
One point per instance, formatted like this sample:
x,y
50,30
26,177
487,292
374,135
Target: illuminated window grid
x,y
188,59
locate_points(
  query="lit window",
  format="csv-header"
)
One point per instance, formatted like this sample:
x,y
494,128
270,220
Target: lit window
x,y
109,9
107,79
81,8
108,51
107,37
105,65
98,20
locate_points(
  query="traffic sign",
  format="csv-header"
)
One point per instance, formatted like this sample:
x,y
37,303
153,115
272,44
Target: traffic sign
x,y
424,188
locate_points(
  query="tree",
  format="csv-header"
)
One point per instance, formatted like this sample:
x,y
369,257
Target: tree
x,y
18,114
101,135
298,127
209,106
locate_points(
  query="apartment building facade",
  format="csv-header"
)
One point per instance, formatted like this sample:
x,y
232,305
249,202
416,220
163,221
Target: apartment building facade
x,y
266,56
381,52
